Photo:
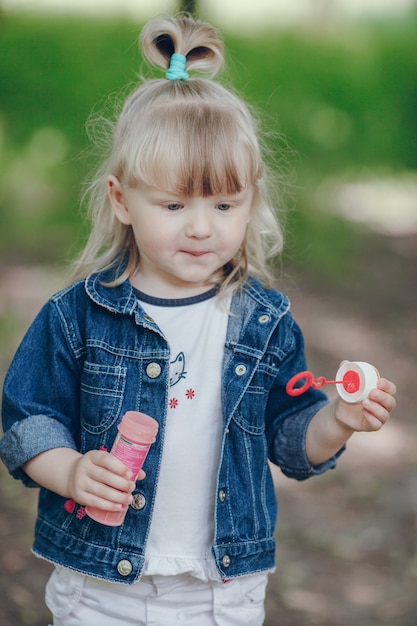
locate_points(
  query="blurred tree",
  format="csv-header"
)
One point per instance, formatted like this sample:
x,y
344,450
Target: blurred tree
x,y
189,6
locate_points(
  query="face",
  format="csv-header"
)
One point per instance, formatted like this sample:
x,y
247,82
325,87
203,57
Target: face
x,y
183,241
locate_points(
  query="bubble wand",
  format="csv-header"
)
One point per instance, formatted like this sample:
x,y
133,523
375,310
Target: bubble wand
x,y
354,381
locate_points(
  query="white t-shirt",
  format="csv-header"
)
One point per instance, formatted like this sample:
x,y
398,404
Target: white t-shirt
x,y
182,527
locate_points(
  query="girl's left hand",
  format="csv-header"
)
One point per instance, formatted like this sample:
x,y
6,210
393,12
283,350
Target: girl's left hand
x,y
370,414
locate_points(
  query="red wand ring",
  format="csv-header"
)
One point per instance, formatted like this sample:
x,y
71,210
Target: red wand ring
x,y
310,381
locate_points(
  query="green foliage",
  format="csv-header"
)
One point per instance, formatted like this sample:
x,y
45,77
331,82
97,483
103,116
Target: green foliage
x,y
344,102
54,71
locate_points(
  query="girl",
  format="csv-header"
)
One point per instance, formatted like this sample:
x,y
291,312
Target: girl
x,y
172,314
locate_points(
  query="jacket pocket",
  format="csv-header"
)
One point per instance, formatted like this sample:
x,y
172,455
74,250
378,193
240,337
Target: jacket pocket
x,y
250,414
102,390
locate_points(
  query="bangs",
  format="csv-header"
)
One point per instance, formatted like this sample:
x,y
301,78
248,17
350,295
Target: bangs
x,y
192,149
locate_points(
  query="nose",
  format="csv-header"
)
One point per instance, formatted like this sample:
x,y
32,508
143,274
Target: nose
x,y
199,225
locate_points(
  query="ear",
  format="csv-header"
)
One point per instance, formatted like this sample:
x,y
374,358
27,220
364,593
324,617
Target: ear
x,y
118,200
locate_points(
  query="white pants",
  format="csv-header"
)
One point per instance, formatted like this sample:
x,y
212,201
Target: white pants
x,y
77,600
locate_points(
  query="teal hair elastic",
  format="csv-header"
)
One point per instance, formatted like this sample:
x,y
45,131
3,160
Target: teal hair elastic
x,y
176,70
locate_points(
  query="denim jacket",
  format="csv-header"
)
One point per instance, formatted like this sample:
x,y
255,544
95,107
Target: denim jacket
x,y
93,353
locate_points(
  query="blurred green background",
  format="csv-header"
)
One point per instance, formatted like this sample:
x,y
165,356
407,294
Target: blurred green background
x,y
343,100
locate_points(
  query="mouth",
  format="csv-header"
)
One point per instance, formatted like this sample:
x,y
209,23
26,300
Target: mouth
x,y
196,252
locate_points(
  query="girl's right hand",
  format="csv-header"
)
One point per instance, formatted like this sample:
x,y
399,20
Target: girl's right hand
x,y
98,479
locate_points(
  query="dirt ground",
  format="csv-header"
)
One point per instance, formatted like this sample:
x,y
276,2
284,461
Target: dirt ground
x,y
347,541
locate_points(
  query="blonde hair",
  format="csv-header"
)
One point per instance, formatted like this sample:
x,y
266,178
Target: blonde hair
x,y
191,136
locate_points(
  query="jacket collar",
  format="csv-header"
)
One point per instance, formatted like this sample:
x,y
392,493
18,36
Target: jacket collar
x,y
122,299
274,302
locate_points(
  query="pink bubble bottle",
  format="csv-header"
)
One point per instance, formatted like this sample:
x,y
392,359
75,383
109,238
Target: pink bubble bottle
x,y
137,432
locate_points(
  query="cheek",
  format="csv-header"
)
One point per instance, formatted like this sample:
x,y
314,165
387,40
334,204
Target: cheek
x,y
234,238
238,230
151,236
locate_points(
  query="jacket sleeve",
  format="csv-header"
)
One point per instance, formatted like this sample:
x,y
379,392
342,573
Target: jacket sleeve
x,y
288,417
40,408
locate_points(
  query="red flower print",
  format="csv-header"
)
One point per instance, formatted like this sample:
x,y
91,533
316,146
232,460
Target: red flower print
x,y
81,513
173,403
189,394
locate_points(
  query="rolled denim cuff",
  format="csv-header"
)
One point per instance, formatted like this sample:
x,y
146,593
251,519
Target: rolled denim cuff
x,y
30,437
290,449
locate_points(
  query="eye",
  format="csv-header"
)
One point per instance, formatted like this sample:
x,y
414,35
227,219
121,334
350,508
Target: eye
x,y
173,206
223,206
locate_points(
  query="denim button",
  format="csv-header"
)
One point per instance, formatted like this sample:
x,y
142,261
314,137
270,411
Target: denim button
x,y
139,501
240,369
226,560
124,567
222,495
153,370
263,319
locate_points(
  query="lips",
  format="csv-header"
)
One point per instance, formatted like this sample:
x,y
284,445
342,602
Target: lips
x,y
196,252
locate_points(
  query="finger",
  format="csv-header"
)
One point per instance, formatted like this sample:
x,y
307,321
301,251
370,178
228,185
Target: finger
x,y
387,386
386,400
98,494
93,493
109,495
104,459
104,504
100,467
371,422
375,412
104,476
